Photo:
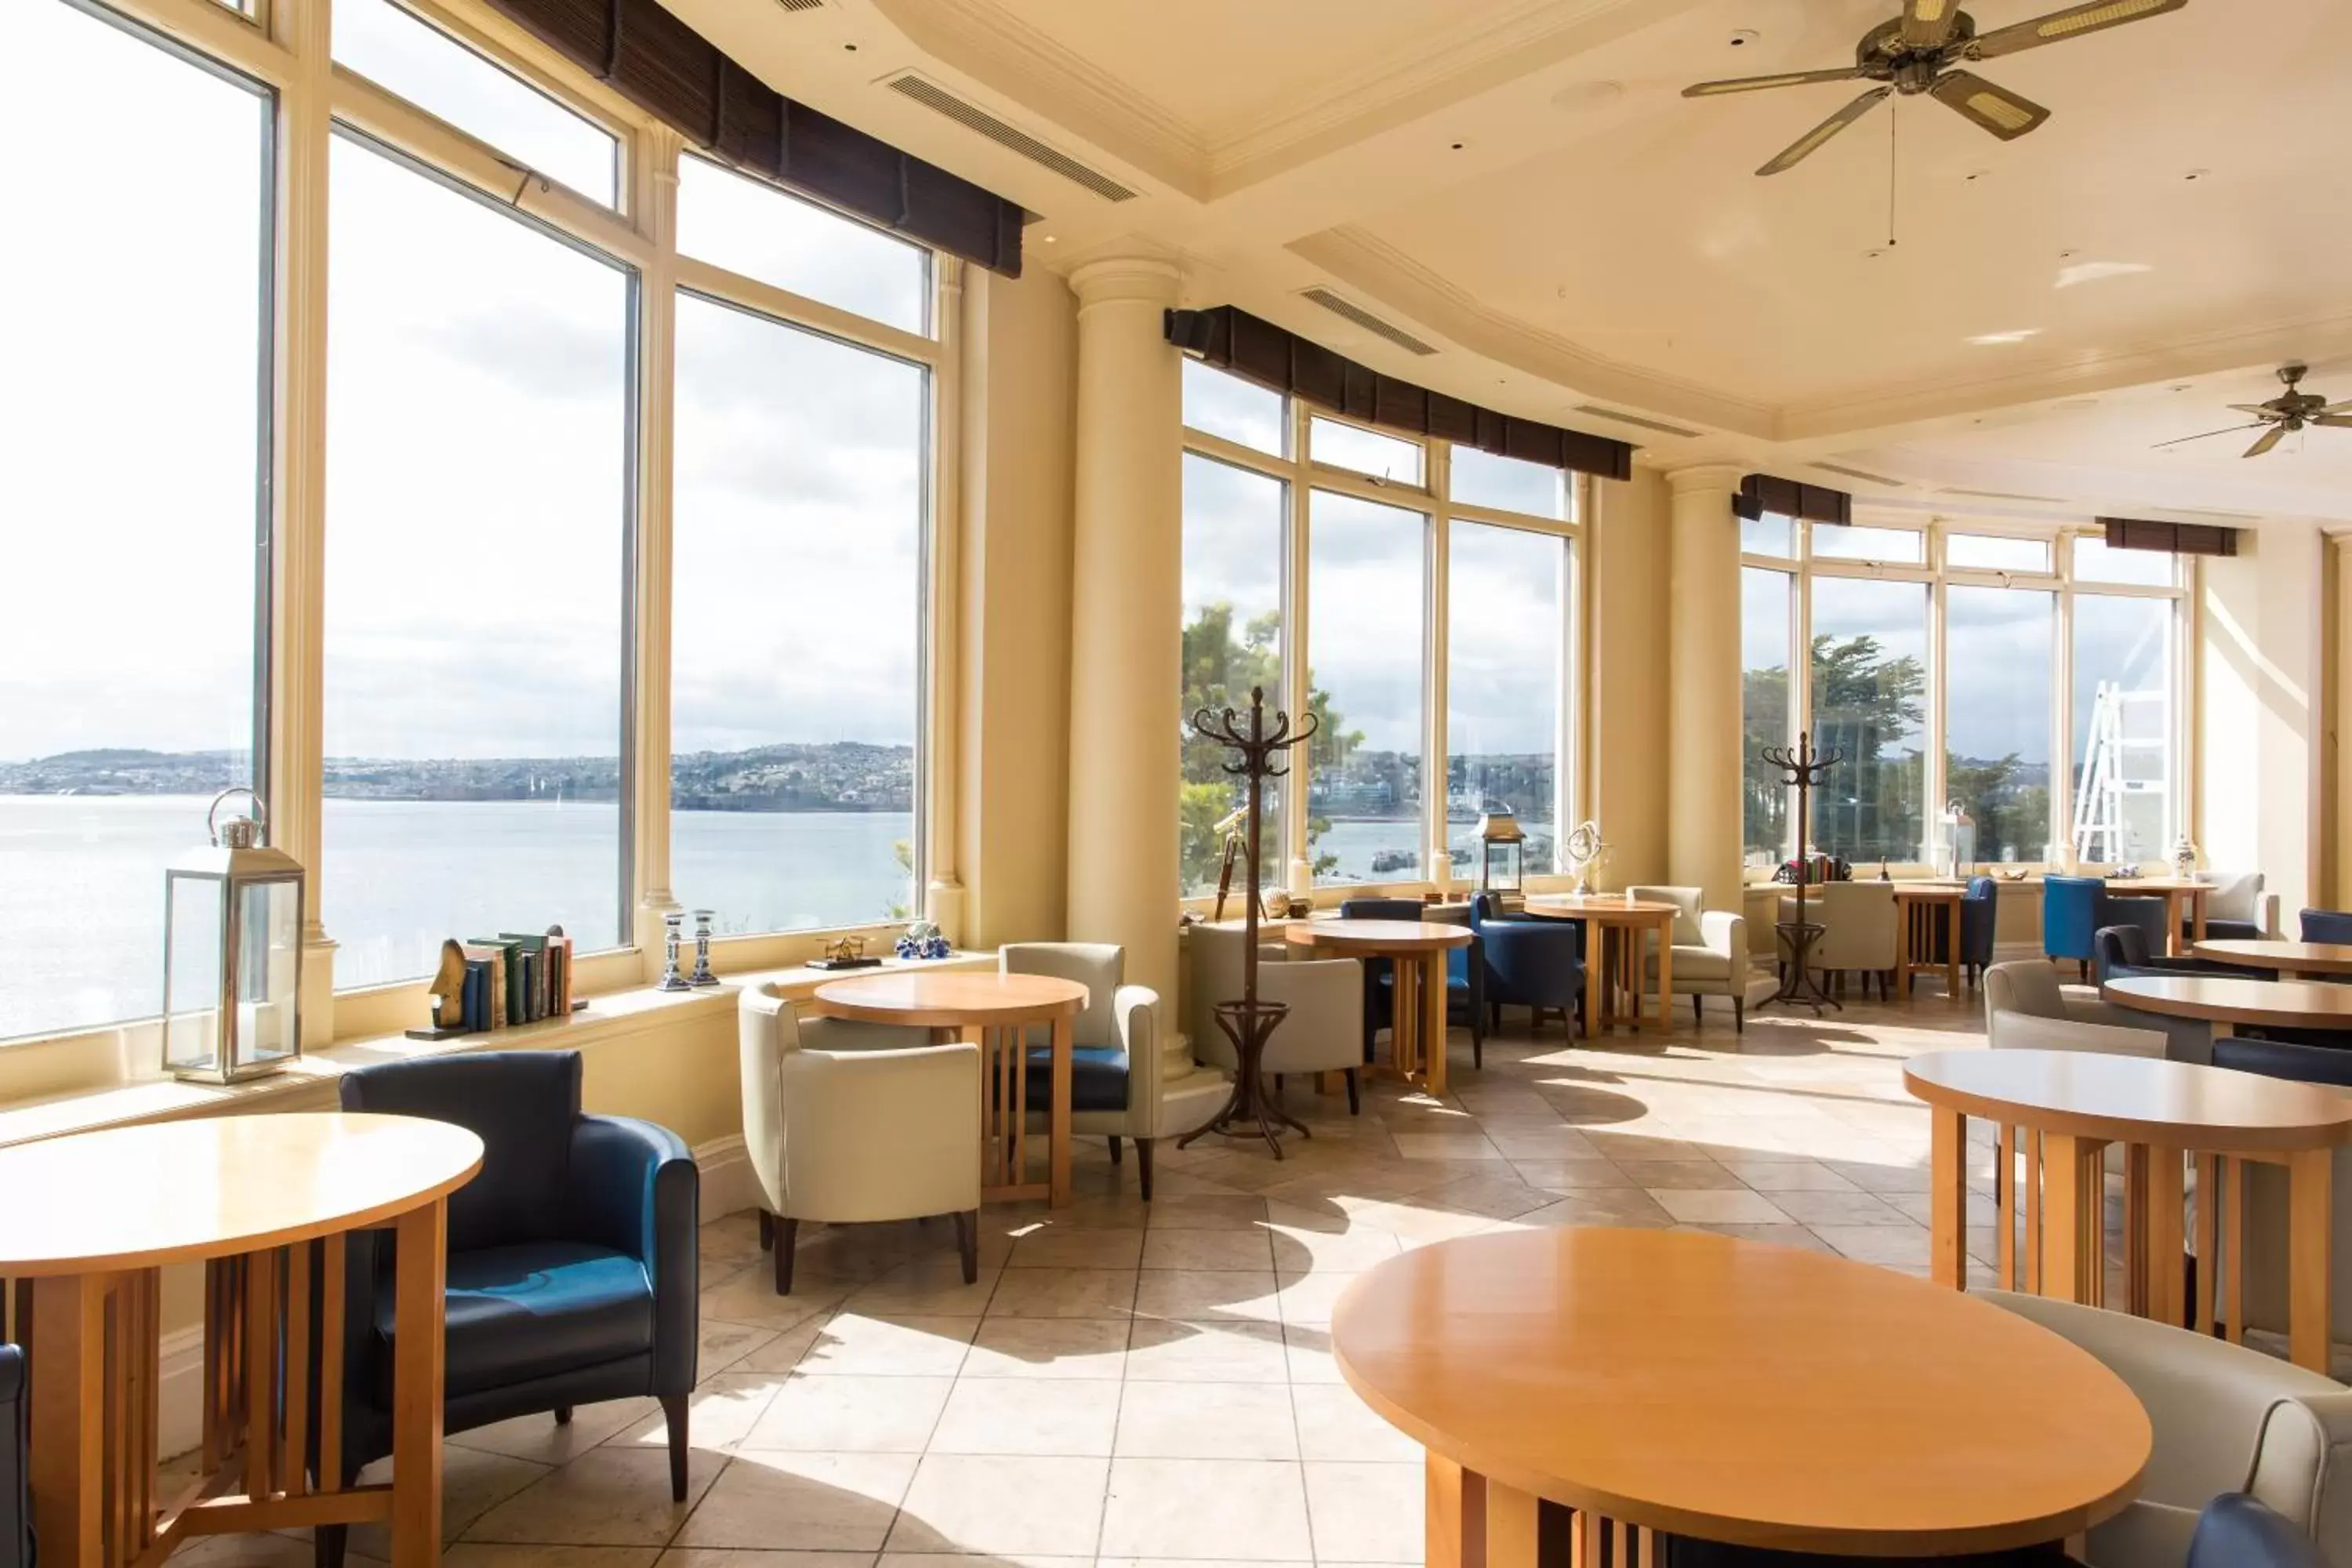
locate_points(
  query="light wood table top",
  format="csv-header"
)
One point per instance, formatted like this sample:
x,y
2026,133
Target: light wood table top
x,y
1741,1393
2287,957
2157,885
2218,999
2134,1100
1599,905
952,1000
139,1197
1378,936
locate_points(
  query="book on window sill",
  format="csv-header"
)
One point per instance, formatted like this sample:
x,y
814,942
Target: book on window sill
x,y
498,957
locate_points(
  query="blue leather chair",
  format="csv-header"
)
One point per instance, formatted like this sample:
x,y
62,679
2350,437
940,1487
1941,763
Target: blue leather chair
x,y
572,1259
2120,952
2328,925
1979,905
1533,964
1465,988
2069,917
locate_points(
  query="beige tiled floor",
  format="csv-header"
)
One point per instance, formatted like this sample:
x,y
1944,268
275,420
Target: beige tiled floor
x,y
1131,1386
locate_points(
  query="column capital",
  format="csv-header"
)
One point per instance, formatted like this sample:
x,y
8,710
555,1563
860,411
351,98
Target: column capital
x,y
1701,477
1135,276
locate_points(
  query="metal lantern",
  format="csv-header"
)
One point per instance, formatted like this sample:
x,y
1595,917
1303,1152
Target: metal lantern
x,y
1958,854
1503,847
232,954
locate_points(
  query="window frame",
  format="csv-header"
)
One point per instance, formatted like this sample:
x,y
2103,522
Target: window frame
x,y
1302,475
1803,567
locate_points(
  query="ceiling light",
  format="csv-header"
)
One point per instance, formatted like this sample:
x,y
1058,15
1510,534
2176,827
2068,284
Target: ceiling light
x,y
1053,239
2014,335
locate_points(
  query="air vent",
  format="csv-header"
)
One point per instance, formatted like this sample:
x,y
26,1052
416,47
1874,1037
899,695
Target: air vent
x,y
1622,417
1354,312
971,117
801,4
2007,495
1863,474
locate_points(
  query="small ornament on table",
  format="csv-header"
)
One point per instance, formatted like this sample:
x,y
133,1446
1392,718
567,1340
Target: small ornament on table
x,y
2184,860
673,925
921,938
702,975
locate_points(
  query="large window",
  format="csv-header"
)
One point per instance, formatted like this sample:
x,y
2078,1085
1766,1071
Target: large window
x,y
1233,643
796,624
746,226
1869,673
131,434
1506,643
477,538
1938,668
1364,670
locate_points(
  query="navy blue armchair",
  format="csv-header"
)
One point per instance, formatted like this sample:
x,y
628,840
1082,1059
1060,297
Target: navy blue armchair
x,y
2328,925
2069,917
1978,907
2120,952
573,1258
1465,988
1534,964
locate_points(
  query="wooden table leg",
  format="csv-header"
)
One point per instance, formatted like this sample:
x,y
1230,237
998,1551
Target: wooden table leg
x,y
2135,1269
68,1455
2197,917
421,1276
1595,975
1057,1132
1514,1528
1434,998
1454,1526
1948,1198
2311,1191
2004,1197
1665,973
2167,1228
2073,1180
2208,1242
1949,917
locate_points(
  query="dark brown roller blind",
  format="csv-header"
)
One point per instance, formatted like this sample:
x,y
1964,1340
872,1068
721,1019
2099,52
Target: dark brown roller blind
x,y
2178,538
1256,349
677,74
1760,493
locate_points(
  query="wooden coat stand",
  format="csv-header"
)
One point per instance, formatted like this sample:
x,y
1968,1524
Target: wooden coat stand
x,y
1803,771
1248,1021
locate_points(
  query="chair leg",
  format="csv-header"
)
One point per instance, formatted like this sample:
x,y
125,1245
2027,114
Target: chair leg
x,y
1355,1105
1277,1083
674,1408
2082,970
1739,1015
967,1230
767,1230
1114,1155
1143,1166
563,1416
1698,1009
327,1544
787,1237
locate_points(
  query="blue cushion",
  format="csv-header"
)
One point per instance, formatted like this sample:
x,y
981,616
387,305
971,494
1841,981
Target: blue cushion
x,y
516,1313
522,1103
1097,1078
2326,925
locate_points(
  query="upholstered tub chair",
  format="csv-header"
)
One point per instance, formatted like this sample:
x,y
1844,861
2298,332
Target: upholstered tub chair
x,y
1538,964
1858,930
1710,953
1130,1080
2326,925
849,1123
2027,1009
1323,1031
2238,910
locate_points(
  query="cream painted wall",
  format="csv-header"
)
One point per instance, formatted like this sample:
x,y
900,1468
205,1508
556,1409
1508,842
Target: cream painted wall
x,y
2336,690
1020,342
2260,666
1627,684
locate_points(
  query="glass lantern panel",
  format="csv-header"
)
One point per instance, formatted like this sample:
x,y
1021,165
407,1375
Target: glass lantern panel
x,y
1503,865
269,968
192,972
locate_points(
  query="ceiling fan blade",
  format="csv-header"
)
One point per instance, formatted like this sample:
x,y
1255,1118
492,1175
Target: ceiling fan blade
x,y
2333,421
1759,83
1996,109
2265,442
2343,408
2072,23
1804,146
2202,435
2254,408
1927,22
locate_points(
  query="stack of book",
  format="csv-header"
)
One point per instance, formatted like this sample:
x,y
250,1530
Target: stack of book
x,y
489,982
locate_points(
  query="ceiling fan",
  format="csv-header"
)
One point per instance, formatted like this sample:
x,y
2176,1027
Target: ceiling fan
x,y
2290,410
1919,51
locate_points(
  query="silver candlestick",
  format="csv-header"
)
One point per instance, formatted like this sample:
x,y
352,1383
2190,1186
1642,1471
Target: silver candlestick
x,y
702,975
673,925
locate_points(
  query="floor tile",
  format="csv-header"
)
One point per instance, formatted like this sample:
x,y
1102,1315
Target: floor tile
x,y
1065,1417
1235,1213
539,1439
819,1502
1334,1424
721,1412
1205,1294
1059,1348
1166,1349
613,1496
1840,1208
1065,1293
977,1503
1737,1206
1207,1420
852,1343
1076,1249
849,1414
1297,1251
1243,1510
1179,1248
1366,1512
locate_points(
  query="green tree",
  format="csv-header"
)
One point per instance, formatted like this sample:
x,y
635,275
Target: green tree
x,y
1871,804
1219,669
2009,814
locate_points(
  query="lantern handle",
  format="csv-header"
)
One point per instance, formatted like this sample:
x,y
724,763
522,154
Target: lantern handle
x,y
260,811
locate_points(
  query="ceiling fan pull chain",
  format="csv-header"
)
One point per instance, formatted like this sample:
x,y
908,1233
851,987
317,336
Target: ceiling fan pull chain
x,y
1894,116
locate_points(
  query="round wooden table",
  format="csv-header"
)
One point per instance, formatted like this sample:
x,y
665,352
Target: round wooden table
x,y
2285,957
2222,999
1613,978
262,1202
1416,950
2184,906
1928,919
1573,1385
993,1011
2060,1109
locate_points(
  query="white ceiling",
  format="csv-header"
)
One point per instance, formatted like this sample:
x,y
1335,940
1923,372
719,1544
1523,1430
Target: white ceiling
x,y
1519,183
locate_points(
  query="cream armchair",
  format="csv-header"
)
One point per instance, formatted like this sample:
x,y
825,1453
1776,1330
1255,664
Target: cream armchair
x,y
1323,1032
1858,928
2026,1009
1128,1080
2225,1418
1711,952
853,1123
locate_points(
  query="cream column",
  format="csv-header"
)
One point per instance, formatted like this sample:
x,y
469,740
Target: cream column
x,y
943,890
1702,829
1127,565
297,541
657,199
